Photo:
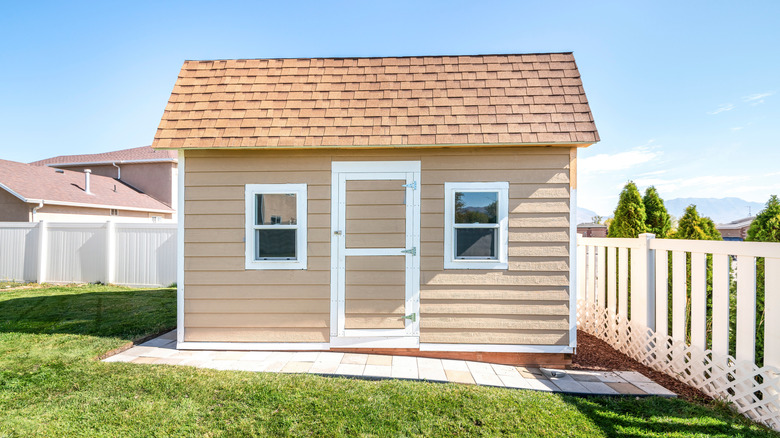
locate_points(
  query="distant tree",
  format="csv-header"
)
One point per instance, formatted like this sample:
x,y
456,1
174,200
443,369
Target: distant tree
x,y
695,227
597,219
766,226
630,216
658,221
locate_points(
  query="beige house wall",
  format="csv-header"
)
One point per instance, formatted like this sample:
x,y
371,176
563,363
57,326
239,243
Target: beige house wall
x,y
65,213
12,209
526,304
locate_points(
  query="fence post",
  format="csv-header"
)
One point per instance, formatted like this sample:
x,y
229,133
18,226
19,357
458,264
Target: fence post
x,y
643,283
110,252
43,250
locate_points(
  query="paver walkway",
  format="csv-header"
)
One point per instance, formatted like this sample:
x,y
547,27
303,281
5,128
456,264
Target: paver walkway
x,y
162,350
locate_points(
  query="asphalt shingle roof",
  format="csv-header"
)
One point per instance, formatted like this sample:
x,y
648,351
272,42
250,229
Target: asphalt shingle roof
x,y
133,154
396,101
50,184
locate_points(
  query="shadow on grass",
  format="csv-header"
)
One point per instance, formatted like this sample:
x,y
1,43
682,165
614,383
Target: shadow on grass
x,y
656,416
121,314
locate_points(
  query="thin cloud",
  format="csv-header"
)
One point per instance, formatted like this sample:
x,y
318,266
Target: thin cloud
x,y
672,185
758,98
722,108
736,128
611,162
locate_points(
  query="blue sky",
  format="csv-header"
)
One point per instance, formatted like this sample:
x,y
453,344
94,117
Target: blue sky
x,y
686,95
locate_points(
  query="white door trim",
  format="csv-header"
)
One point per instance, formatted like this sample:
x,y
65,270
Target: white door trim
x,y
409,171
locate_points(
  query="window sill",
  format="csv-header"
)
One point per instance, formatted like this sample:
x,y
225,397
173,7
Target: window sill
x,y
274,265
472,264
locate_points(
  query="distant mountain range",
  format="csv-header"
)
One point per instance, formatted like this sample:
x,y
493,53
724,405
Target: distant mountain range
x,y
721,210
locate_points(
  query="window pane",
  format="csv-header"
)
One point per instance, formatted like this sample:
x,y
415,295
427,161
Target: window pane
x,y
275,244
476,207
475,242
275,209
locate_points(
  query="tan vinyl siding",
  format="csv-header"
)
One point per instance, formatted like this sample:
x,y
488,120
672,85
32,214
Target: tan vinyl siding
x,y
526,304
375,292
376,214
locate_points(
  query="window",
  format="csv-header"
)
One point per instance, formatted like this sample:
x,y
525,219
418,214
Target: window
x,y
275,226
476,225
113,212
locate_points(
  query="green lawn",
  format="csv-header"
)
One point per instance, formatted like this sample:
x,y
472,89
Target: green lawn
x,y
51,386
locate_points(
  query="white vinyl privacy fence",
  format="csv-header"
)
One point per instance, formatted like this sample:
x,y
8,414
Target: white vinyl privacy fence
x,y
118,253
690,309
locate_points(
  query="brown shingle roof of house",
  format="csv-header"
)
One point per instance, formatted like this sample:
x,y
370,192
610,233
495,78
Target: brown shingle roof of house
x,y
34,183
425,100
143,153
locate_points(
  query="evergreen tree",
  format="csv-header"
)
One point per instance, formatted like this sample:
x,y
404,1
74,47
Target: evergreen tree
x,y
658,221
630,216
766,226
694,227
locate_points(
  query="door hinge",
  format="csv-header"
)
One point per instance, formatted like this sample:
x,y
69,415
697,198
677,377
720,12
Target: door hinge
x,y
412,185
412,251
412,317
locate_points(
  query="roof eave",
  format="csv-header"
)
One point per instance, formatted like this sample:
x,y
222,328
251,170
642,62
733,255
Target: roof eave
x,y
101,206
22,198
94,163
402,146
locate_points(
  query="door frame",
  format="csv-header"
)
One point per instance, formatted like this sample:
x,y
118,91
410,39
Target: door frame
x,y
341,172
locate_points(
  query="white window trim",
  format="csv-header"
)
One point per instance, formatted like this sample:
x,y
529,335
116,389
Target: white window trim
x,y
301,215
450,262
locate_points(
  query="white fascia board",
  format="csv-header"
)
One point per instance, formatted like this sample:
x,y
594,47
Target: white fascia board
x,y
180,252
22,198
254,346
103,206
573,282
497,348
99,163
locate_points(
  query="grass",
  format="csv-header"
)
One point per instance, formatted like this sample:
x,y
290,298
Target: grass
x,y
51,386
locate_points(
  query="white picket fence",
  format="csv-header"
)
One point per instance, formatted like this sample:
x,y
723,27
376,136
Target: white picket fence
x,y
635,320
129,254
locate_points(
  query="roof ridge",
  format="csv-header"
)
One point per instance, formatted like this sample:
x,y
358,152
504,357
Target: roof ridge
x,y
383,57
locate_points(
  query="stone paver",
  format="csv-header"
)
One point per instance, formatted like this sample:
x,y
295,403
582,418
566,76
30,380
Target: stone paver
x,y
377,371
654,388
376,359
431,369
356,359
483,374
404,367
297,367
162,351
460,377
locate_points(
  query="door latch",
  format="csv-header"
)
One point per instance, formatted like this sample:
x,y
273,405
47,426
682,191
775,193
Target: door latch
x,y
412,251
412,317
412,185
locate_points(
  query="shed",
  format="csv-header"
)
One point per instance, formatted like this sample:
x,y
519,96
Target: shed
x,y
414,205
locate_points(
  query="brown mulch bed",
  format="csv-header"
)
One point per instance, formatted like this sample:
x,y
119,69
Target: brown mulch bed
x,y
595,354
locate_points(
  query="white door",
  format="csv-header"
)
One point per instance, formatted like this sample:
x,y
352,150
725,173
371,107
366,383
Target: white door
x,y
375,240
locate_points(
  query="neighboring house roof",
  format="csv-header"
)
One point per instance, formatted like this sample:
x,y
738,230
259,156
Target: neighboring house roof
x,y
737,224
65,187
140,154
591,225
394,101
